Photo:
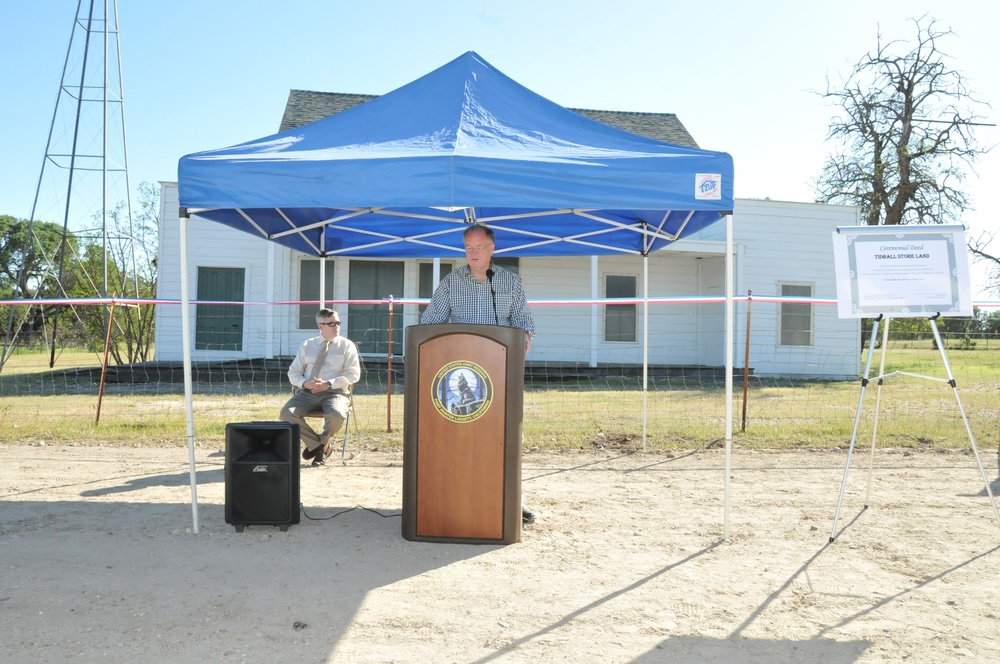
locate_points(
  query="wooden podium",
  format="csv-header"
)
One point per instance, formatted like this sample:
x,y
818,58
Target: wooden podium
x,y
462,433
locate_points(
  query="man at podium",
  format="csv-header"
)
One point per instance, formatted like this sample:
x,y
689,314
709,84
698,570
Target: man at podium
x,y
481,293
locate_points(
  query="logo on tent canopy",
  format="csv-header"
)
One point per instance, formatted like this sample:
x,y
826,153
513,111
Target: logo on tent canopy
x,y
462,391
708,187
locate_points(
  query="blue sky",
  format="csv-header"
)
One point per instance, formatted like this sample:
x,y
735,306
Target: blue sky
x,y
741,76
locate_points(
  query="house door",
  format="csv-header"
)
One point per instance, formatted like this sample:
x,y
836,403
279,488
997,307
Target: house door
x,y
219,326
369,323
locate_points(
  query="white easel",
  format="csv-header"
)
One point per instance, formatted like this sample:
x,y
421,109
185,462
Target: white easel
x,y
878,397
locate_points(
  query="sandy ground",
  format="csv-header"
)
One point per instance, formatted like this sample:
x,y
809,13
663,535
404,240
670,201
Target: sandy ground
x,y
626,563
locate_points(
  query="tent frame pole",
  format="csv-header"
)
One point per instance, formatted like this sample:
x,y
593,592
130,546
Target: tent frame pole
x,y
645,343
186,346
730,339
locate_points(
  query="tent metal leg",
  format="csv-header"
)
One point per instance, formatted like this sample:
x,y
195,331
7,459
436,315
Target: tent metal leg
x,y
188,387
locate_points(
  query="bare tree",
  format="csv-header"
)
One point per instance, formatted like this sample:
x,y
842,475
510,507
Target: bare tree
x,y
128,261
905,134
979,248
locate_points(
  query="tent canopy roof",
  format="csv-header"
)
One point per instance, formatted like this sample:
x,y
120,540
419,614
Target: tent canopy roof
x,y
401,175
305,106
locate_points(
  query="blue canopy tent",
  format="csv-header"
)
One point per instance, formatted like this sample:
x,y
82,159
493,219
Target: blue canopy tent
x,y
403,174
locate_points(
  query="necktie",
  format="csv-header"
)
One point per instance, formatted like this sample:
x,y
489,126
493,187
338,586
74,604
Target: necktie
x,y
320,360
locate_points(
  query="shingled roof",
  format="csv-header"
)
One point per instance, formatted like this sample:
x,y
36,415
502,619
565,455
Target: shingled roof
x,y
305,106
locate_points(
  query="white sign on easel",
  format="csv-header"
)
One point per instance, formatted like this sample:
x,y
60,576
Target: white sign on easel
x,y
902,271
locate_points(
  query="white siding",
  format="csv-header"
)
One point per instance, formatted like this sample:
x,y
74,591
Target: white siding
x,y
784,242
565,331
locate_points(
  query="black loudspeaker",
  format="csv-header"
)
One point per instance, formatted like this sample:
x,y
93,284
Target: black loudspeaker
x,y
262,474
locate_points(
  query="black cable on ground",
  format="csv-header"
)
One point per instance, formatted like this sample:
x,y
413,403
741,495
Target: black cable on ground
x,y
302,507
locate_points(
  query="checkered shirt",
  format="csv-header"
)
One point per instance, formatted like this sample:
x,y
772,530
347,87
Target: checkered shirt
x,y
459,298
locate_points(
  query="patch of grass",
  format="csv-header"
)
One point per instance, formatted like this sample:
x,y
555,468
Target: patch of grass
x,y
780,413
37,361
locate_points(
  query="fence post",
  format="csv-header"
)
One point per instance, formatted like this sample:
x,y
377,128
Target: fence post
x,y
104,366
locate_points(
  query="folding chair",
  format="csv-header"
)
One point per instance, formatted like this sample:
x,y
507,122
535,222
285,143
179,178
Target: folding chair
x,y
347,420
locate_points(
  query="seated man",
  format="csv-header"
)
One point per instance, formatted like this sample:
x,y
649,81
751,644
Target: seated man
x,y
321,375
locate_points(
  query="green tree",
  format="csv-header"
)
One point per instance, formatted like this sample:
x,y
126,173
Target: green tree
x,y
960,331
910,329
28,254
29,270
990,322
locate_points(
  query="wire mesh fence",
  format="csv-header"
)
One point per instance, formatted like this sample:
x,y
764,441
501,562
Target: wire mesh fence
x,y
658,381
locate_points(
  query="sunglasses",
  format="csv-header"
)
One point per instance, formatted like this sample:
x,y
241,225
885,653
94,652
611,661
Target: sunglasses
x,y
335,323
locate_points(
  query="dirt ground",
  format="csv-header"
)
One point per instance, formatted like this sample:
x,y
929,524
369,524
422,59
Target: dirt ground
x,y
626,563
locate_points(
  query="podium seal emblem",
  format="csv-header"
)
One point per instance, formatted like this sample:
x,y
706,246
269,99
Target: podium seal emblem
x,y
462,391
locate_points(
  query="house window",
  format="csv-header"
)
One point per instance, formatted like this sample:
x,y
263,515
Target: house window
x,y
369,323
619,319
219,326
512,264
796,319
309,291
426,285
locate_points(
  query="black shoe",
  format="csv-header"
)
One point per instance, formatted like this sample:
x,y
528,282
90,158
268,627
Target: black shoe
x,y
322,452
310,453
527,516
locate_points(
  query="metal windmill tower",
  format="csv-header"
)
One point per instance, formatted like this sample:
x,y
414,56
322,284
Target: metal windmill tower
x,y
83,185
